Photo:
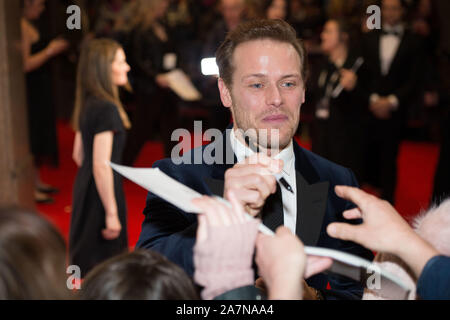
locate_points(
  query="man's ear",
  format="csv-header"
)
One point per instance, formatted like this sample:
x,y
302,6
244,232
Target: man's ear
x,y
225,94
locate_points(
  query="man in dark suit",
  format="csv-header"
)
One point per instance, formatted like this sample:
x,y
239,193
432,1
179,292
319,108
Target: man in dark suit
x,y
393,58
262,75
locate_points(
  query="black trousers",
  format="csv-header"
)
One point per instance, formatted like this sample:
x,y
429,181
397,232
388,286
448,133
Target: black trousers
x,y
383,140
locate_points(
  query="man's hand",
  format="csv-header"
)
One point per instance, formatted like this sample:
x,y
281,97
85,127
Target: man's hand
x,y
314,265
252,181
281,262
381,108
382,230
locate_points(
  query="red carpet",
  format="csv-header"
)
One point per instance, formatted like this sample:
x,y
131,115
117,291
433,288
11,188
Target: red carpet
x,y
417,163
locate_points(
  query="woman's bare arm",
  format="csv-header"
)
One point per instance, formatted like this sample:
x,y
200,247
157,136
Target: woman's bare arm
x,y
77,154
104,181
35,61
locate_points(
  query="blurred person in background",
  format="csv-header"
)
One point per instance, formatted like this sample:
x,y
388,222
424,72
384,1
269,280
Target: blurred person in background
x,y
111,17
276,9
267,9
37,51
339,117
348,10
307,17
391,79
98,228
153,54
32,257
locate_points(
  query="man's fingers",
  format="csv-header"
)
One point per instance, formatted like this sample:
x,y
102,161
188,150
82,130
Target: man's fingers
x,y
238,210
354,213
355,195
218,213
251,198
263,184
274,165
260,241
315,265
202,233
281,231
246,178
343,231
212,210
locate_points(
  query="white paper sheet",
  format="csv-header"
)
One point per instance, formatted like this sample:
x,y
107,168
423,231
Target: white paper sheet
x,y
157,182
180,83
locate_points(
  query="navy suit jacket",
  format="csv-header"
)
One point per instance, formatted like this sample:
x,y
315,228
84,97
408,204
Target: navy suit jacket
x,y
172,232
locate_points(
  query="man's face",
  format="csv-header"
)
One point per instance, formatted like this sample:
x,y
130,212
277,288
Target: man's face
x,y
267,88
392,11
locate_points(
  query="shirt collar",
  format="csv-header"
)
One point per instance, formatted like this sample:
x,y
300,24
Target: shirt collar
x,y
242,151
398,28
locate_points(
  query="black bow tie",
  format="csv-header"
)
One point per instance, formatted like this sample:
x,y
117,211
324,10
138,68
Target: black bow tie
x,y
272,212
390,33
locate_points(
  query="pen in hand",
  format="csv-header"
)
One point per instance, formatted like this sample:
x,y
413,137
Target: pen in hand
x,y
255,148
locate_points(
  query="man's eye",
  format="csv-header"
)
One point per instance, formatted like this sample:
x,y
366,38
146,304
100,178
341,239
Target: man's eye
x,y
256,85
288,84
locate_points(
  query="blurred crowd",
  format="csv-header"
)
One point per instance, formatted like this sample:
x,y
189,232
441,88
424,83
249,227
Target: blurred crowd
x,y
161,35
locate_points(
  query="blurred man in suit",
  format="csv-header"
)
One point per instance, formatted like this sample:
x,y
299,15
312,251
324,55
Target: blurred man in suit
x,y
393,58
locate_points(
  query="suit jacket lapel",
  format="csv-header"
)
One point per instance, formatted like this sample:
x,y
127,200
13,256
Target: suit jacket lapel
x,y
311,207
376,50
312,195
216,182
398,54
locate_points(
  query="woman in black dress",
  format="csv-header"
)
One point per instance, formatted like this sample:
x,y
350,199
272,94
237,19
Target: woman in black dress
x,y
152,54
37,50
98,225
338,128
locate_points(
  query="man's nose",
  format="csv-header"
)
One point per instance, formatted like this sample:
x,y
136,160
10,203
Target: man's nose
x,y
273,96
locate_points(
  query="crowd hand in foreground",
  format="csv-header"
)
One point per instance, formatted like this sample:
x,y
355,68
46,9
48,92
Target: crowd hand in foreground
x,y
382,230
283,265
224,250
224,246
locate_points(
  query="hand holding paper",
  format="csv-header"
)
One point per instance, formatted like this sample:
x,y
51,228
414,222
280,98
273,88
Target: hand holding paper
x,y
181,196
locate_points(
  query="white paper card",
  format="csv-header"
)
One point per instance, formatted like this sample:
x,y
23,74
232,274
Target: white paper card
x,y
157,182
180,83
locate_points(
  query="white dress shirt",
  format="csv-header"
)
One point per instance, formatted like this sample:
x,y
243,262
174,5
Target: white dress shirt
x,y
389,44
287,155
